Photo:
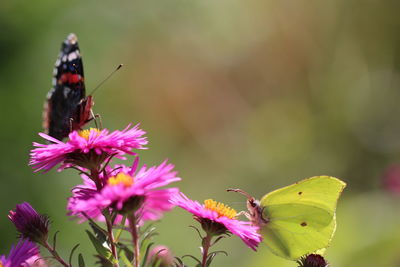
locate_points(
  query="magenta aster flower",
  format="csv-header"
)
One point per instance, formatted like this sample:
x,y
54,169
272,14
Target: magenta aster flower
x,y
216,219
87,148
126,191
80,194
20,255
29,223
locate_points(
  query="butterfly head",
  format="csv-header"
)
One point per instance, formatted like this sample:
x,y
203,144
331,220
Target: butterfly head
x,y
255,210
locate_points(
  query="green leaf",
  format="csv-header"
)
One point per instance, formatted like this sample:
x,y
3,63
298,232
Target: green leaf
x,y
128,253
55,239
220,252
102,250
193,257
179,262
93,224
211,256
72,253
100,233
197,230
81,261
125,259
146,254
216,240
147,235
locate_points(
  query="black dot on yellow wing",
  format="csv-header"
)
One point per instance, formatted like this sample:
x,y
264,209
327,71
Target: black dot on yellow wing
x,y
300,193
303,224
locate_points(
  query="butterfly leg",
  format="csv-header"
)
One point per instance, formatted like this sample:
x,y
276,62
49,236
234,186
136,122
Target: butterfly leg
x,y
96,117
71,127
245,213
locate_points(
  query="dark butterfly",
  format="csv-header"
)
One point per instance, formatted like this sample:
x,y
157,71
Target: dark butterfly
x,y
67,108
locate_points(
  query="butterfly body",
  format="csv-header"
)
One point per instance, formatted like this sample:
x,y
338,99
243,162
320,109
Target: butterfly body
x,y
67,108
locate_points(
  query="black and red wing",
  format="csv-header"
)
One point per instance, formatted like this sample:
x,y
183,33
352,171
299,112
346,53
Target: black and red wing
x,y
63,109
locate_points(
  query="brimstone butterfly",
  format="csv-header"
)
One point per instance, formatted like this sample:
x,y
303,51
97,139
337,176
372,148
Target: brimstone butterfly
x,y
298,219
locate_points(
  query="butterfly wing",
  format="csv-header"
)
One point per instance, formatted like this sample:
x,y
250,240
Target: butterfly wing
x,y
301,217
68,92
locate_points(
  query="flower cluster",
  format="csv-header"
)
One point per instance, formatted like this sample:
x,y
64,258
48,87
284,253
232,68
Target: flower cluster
x,y
121,196
121,189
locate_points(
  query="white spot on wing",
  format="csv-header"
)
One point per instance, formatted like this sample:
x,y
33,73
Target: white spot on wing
x,y
64,58
58,62
66,91
72,56
54,81
50,93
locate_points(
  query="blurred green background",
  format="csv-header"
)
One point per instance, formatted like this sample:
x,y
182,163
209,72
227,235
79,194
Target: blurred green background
x,y
249,94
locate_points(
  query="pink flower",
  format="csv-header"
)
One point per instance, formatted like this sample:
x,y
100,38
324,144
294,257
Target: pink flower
x,y
126,192
87,148
216,219
80,194
20,255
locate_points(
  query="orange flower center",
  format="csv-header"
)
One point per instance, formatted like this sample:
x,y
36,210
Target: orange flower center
x,y
220,208
121,178
86,133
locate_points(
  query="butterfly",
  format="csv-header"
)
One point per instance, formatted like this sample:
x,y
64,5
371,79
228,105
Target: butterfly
x,y
67,107
298,219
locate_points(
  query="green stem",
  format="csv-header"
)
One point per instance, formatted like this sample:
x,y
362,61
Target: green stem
x,y
135,238
107,216
55,254
206,242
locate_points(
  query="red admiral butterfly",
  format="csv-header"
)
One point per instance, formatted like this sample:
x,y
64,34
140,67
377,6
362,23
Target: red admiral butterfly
x,y
67,108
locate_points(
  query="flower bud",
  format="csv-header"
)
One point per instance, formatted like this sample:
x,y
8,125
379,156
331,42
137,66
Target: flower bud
x,y
313,260
29,223
162,256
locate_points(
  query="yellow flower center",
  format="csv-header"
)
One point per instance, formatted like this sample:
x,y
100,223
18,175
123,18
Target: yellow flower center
x,y
85,133
220,208
1,264
121,178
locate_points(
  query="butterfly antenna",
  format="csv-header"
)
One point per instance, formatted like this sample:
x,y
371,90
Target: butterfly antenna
x,y
241,192
106,79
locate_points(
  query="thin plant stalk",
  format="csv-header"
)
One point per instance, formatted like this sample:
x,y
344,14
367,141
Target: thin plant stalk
x,y
55,254
206,242
107,216
135,238
94,175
